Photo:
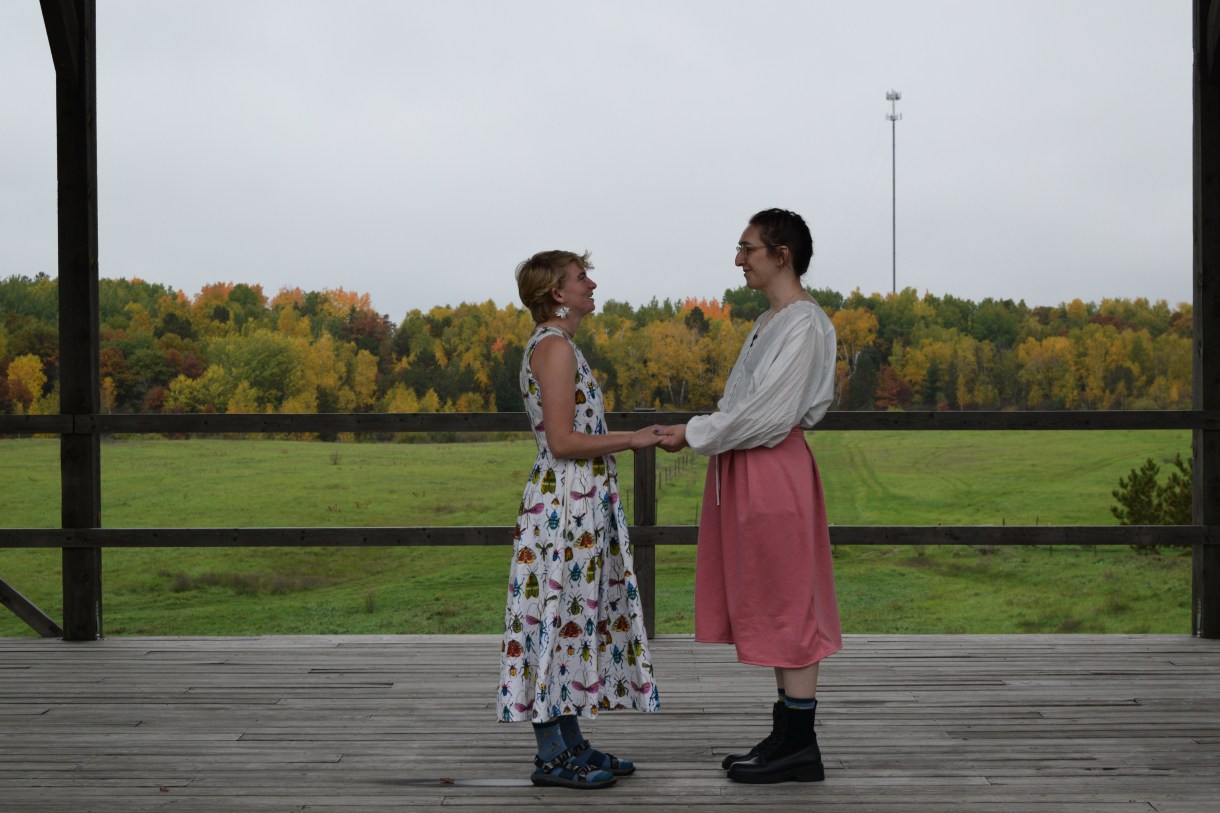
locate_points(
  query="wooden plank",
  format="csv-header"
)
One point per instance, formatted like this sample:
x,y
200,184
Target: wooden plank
x,y
642,536
349,723
35,424
515,421
1205,579
28,612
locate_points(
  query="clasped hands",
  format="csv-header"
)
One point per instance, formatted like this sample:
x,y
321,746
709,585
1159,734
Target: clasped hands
x,y
670,438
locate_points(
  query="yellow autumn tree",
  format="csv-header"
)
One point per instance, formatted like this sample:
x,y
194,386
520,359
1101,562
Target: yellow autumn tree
x,y
720,348
855,331
626,350
107,395
400,398
290,322
1047,371
364,378
674,363
26,378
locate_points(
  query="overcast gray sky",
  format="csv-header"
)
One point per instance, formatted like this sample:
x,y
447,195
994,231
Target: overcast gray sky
x,y
417,151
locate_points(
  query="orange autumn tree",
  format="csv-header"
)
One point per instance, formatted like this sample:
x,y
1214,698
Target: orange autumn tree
x,y
712,308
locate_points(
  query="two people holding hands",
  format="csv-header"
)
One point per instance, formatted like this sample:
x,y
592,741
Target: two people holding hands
x,y
764,582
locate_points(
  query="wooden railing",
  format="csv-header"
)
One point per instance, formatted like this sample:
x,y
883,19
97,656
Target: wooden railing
x,y
646,535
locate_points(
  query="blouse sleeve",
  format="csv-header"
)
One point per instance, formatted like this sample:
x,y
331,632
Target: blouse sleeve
x,y
780,396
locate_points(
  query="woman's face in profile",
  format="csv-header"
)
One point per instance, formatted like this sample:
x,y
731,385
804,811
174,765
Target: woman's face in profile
x,y
755,262
577,289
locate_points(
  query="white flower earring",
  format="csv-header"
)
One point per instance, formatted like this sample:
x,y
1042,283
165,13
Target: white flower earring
x,y
562,312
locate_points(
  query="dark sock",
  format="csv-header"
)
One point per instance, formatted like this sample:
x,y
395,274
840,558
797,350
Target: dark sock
x,y
570,728
806,703
572,737
550,740
551,744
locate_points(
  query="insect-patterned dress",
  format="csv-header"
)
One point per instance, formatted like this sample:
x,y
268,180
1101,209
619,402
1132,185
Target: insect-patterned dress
x,y
574,640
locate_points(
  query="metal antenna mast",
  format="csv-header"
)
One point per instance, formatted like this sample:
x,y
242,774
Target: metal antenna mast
x,y
892,97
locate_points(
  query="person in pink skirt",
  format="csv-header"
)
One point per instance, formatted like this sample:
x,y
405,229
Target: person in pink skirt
x,y
764,579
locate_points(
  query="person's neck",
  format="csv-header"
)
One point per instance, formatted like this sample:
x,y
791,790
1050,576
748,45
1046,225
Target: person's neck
x,y
568,325
782,295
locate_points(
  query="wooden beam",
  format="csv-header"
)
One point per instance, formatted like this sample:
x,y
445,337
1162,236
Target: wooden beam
x,y
1209,38
644,507
28,612
72,34
35,424
516,422
1205,579
641,536
62,22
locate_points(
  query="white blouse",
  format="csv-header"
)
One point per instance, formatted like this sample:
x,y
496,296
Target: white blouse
x,y
784,376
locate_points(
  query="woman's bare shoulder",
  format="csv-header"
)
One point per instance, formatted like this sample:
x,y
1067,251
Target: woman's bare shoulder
x,y
553,348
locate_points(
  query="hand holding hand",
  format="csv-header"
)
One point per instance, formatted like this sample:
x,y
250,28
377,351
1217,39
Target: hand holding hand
x,y
673,438
646,437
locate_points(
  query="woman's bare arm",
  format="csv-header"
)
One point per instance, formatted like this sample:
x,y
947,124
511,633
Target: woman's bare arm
x,y
554,367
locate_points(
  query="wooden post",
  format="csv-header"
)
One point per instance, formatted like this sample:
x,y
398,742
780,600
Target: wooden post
x,y
71,34
645,510
1205,581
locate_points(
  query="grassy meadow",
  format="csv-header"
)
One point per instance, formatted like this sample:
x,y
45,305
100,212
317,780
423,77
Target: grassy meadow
x,y
871,478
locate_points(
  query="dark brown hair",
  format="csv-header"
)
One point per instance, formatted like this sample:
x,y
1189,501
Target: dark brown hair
x,y
780,227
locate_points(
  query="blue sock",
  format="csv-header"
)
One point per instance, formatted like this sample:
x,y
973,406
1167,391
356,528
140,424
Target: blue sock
x,y
782,696
570,727
572,737
550,740
806,703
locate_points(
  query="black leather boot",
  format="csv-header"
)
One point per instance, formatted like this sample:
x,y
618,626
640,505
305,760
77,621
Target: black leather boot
x,y
778,718
796,758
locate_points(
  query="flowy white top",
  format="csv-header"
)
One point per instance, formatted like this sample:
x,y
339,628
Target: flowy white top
x,y
783,377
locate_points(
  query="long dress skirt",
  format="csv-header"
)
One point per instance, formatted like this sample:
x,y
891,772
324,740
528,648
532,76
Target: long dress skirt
x,y
764,579
574,638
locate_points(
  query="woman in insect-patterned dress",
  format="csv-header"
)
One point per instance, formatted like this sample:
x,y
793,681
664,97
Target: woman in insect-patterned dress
x,y
574,641
764,578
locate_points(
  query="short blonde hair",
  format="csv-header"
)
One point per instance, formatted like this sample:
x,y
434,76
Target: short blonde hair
x,y
543,273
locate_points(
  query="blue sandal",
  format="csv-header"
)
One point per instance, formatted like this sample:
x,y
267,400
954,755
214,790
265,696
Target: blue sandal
x,y
561,772
602,761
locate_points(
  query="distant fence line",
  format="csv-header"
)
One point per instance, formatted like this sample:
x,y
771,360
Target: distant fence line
x,y
204,423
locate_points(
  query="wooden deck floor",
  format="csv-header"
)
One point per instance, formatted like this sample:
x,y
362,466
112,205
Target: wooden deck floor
x,y
907,723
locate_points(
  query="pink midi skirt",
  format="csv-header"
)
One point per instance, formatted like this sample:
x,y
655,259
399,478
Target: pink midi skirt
x,y
764,579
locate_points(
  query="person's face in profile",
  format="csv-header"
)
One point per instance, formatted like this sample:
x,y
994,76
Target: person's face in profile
x,y
755,262
577,290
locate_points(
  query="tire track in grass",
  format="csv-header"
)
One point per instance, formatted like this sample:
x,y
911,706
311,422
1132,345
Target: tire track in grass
x,y
858,465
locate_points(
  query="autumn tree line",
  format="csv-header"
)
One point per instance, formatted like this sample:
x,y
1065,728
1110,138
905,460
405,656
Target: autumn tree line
x,y
232,349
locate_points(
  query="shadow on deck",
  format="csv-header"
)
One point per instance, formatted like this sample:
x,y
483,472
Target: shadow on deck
x,y
348,723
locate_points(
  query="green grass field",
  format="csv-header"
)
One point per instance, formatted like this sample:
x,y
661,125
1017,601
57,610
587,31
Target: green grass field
x,y
871,478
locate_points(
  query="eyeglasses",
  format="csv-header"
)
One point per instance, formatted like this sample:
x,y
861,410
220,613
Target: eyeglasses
x,y
746,248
